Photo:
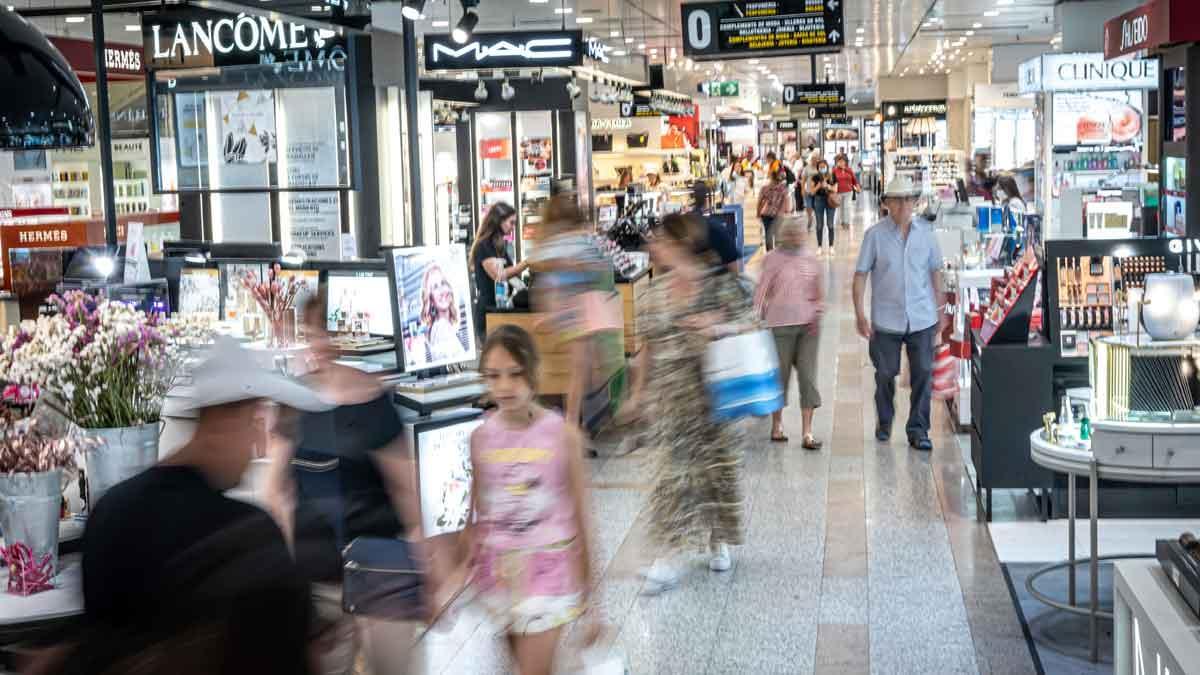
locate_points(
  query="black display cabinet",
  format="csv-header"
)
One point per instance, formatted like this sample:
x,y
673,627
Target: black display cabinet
x,y
1180,137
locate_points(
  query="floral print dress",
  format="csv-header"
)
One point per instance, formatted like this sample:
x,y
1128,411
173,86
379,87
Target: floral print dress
x,y
696,463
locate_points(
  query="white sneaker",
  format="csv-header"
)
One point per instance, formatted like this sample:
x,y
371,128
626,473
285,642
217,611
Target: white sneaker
x,y
721,562
660,578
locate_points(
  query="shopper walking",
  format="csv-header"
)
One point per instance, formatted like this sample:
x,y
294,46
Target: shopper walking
x,y
491,261
696,499
530,533
772,205
349,469
790,298
806,176
847,188
902,258
179,578
820,187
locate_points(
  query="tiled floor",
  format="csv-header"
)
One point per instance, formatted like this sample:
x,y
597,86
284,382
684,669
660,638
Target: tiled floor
x,y
860,558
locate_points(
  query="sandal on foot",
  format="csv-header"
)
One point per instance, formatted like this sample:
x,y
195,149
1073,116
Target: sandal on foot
x,y
779,438
811,443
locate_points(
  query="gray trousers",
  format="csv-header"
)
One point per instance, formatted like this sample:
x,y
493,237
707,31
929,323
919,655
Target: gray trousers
x,y
885,356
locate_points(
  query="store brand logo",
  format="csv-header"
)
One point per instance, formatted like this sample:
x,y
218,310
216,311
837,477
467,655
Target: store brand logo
x,y
544,49
128,60
1108,70
41,236
597,50
243,34
1135,32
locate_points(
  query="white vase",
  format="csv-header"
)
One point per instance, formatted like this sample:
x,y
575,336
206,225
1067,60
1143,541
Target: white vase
x,y
1170,311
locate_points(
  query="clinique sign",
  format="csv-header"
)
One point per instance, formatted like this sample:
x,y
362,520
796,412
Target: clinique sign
x,y
1087,72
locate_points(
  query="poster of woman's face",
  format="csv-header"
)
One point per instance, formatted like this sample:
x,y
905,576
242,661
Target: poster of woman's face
x,y
434,296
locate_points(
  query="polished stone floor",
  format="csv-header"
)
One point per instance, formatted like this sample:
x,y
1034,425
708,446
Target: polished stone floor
x,y
861,558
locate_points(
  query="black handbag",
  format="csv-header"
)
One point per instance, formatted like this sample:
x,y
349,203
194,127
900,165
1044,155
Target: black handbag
x,y
382,580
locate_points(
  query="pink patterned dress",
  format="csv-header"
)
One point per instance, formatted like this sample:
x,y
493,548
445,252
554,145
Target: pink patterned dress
x,y
526,567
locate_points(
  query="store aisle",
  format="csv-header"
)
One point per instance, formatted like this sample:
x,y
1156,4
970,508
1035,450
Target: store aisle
x,y
860,558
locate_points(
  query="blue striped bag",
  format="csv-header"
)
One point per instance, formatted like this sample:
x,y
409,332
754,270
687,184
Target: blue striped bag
x,y
742,376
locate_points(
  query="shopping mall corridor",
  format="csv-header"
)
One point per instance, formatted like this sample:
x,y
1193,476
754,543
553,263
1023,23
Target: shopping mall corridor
x,y
860,558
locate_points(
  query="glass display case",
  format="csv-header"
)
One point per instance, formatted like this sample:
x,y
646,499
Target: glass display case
x,y
494,160
535,162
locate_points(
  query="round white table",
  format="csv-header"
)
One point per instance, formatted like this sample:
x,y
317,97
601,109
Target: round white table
x,y
24,617
1078,463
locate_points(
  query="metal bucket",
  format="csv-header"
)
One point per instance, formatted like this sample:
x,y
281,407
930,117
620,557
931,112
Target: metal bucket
x,y
30,505
122,453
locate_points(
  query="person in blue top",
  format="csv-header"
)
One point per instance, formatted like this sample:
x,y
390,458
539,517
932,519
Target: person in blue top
x,y
902,258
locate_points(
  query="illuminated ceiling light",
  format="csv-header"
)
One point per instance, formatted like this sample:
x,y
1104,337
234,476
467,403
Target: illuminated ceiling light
x,y
970,33
1003,3
976,25
563,10
411,9
970,53
583,19
860,30
992,13
642,46
75,19
854,101
754,62
628,41
614,33
441,24
538,2
317,8
619,52
466,25
133,28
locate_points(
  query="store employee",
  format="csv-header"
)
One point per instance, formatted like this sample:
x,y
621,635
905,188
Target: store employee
x,y
902,257
490,260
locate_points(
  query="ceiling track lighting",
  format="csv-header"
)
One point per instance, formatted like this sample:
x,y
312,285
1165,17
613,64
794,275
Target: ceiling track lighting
x,y
481,92
465,27
412,9
506,90
573,89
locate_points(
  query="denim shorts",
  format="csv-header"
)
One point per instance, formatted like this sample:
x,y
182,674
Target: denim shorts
x,y
808,201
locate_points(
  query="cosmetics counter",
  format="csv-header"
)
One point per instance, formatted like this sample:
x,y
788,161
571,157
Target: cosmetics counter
x,y
1085,290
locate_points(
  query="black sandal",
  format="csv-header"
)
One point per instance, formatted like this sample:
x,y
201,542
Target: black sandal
x,y
779,439
811,443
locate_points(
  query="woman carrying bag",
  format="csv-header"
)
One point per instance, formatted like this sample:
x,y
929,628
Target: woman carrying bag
x,y
847,188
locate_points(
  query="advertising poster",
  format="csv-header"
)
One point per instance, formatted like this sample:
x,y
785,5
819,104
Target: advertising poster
x,y
190,132
1175,197
314,219
434,294
359,303
308,137
247,125
444,465
199,292
1098,118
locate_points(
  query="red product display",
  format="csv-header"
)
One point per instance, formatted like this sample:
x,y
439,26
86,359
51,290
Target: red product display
x,y
1005,294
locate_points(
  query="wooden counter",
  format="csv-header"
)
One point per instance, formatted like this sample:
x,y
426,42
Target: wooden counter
x,y
556,359
630,293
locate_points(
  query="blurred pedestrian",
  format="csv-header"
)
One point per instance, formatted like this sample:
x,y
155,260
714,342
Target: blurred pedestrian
x,y
719,240
530,532
696,499
576,287
177,577
902,257
491,261
806,177
772,205
820,186
349,470
847,188
791,300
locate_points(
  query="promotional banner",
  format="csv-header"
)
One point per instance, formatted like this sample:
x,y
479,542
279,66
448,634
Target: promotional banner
x,y
315,219
1098,118
719,30
246,125
191,133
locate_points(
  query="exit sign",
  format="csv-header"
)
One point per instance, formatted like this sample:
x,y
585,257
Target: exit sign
x,y
720,88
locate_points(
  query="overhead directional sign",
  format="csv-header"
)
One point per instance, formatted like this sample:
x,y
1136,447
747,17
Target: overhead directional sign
x,y
720,88
717,30
827,94
827,113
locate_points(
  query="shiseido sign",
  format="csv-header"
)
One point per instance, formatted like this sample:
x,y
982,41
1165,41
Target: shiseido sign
x,y
1089,72
505,50
223,39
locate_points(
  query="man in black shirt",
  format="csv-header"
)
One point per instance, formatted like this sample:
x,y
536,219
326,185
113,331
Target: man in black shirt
x,y
175,571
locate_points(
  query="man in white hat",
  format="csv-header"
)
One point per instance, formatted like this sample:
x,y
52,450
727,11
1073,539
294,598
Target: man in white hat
x,y
173,567
902,259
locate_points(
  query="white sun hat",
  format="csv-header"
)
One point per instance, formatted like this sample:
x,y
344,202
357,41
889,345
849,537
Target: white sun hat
x,y
231,374
902,185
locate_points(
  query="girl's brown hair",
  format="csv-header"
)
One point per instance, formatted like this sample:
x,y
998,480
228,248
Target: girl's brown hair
x,y
519,344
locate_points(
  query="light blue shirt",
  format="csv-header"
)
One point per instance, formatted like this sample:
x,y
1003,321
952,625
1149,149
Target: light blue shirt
x,y
902,293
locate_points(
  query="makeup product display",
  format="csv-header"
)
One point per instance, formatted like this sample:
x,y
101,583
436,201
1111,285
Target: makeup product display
x,y
1007,317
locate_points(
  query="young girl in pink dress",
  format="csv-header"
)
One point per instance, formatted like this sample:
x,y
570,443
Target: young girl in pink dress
x,y
529,533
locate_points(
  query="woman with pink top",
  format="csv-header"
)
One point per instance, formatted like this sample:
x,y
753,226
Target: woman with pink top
x,y
529,534
791,299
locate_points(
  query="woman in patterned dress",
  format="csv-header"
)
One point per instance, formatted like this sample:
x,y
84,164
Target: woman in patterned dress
x,y
697,499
